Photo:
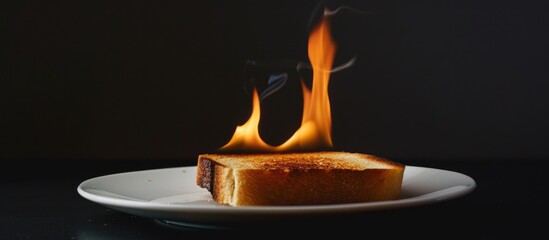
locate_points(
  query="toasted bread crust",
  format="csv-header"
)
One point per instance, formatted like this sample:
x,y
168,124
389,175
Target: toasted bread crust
x,y
289,182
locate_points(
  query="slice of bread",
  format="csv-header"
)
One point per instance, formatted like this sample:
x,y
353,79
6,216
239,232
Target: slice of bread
x,y
298,178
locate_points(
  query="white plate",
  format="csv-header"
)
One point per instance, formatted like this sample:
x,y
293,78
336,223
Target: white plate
x,y
171,195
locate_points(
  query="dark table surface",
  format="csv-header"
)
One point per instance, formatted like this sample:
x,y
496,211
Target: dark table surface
x,y
40,201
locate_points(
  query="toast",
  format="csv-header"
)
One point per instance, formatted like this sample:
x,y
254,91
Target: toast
x,y
298,178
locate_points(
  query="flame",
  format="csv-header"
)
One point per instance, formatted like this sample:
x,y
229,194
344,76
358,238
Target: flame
x,y
316,122
246,136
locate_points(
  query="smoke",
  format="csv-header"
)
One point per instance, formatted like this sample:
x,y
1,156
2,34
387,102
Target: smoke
x,y
328,12
269,77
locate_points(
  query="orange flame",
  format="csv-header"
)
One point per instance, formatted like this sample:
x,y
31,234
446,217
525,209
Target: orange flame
x,y
316,123
246,136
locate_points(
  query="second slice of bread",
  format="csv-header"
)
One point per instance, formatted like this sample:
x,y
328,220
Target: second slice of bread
x,y
298,178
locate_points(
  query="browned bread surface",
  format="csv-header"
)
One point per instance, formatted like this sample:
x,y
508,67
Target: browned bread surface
x,y
298,178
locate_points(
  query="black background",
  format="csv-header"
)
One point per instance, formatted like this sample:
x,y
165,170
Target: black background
x,y
164,80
